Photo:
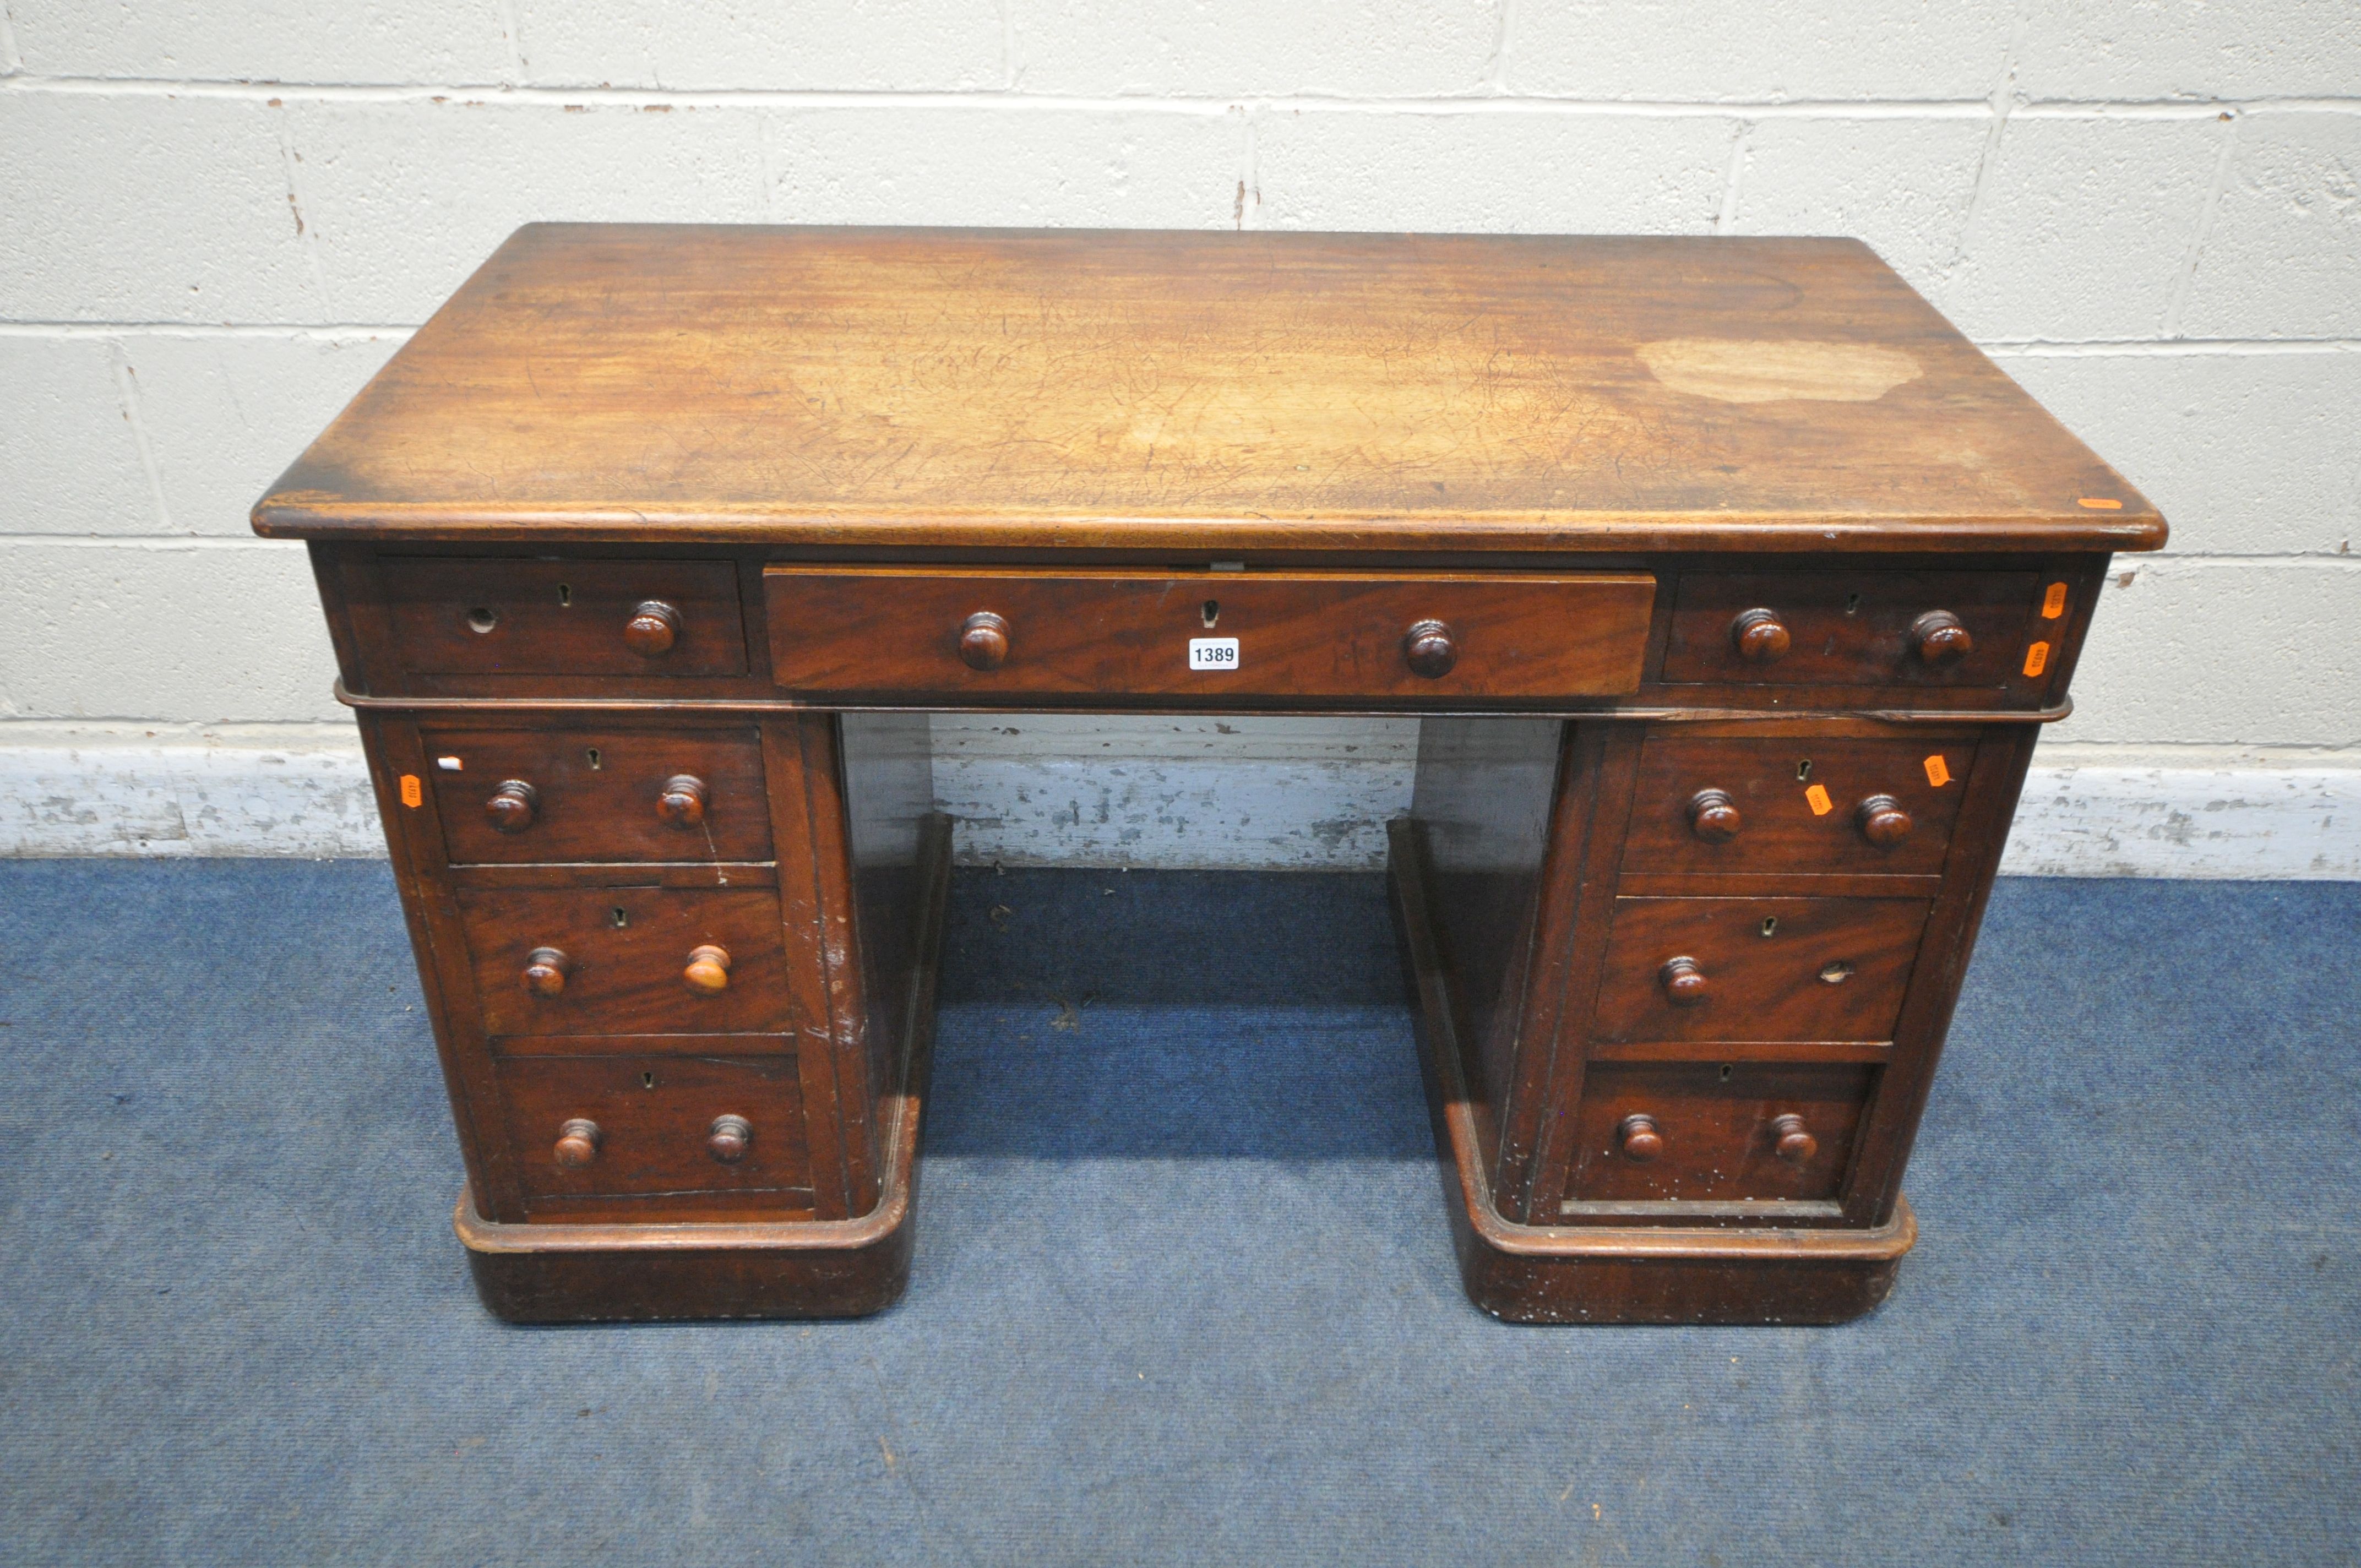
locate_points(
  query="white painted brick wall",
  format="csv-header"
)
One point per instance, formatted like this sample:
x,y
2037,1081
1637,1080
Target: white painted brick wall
x,y
218,220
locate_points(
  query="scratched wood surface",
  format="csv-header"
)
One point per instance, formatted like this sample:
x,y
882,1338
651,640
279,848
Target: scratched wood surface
x,y
979,388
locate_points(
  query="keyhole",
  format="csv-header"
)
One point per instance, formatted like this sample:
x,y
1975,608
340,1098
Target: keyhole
x,y
565,595
623,918
1852,604
591,757
1725,1070
1804,769
1769,923
480,621
647,1080
1212,612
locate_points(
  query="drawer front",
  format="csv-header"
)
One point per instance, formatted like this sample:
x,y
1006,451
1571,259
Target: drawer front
x,y
651,1124
624,954
1660,1132
564,617
985,637
1839,628
1710,803
1773,970
598,794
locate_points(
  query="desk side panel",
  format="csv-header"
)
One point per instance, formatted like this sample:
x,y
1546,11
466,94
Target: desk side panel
x,y
1489,800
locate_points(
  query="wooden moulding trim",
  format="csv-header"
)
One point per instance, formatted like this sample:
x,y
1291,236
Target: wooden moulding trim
x,y
902,1115
772,523
1688,1244
691,707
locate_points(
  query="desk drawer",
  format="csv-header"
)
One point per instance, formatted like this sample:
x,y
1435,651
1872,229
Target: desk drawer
x,y
1717,804
651,1125
454,616
1662,1133
989,636
1759,970
1844,628
623,956
558,795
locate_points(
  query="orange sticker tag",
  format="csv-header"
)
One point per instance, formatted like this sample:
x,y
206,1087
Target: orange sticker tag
x,y
2036,658
1817,799
2053,603
412,796
2099,503
1938,773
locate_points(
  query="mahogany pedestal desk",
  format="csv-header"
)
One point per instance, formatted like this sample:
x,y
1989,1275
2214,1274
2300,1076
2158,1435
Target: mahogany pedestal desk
x,y
1731,586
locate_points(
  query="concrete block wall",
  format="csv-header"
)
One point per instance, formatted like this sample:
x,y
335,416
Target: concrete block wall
x,y
217,221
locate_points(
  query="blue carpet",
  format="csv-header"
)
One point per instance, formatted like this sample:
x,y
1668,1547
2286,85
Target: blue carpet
x,y
1183,1291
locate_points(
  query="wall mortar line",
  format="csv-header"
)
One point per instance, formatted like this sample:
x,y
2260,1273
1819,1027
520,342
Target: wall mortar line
x,y
1472,102
315,332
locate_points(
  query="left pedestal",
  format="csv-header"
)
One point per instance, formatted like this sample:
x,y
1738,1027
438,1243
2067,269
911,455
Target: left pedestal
x,y
681,968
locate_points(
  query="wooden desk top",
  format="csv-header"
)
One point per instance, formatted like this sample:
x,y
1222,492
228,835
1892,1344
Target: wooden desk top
x,y
957,389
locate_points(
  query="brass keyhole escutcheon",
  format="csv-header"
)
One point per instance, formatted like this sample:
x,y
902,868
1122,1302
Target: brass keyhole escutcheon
x,y
622,917
1770,923
647,1080
1211,611
1804,770
592,757
565,596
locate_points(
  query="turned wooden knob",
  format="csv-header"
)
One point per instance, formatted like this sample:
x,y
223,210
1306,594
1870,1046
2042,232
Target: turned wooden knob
x,y
653,628
1938,639
1639,1137
1881,821
577,1142
708,969
1796,1145
1429,650
546,969
1760,636
1684,985
513,806
681,802
983,642
726,1140
1713,815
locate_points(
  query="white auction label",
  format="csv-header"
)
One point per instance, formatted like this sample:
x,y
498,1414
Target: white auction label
x,y
1212,652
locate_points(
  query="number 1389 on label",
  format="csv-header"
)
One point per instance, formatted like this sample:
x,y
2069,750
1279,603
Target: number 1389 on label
x,y
1212,652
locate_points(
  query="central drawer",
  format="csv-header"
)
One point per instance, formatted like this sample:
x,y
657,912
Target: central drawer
x,y
978,636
